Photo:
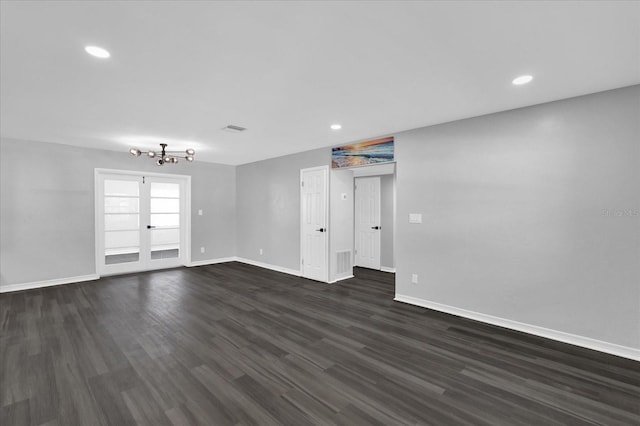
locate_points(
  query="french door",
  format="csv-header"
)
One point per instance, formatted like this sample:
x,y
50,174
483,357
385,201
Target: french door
x,y
141,221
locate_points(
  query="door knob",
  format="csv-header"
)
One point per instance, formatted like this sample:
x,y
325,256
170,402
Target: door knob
x,y
150,226
321,230
375,227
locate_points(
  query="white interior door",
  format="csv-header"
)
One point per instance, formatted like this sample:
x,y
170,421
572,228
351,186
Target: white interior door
x,y
367,222
313,229
141,222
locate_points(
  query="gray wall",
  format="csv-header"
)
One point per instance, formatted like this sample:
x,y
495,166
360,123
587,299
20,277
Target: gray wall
x,y
341,220
268,202
387,188
47,208
531,215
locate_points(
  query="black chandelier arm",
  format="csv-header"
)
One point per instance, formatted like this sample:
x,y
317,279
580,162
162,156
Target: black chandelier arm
x,y
163,156
175,153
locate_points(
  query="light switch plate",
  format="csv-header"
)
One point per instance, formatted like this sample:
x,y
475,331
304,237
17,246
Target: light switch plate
x,y
415,217
200,212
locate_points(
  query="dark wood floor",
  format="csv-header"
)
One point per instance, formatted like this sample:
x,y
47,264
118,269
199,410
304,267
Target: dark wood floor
x,y
233,344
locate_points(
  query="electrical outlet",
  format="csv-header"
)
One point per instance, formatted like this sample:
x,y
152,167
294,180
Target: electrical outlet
x,y
200,212
414,278
261,252
415,217
201,249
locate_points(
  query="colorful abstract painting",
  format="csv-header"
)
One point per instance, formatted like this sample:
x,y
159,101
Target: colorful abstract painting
x,y
363,153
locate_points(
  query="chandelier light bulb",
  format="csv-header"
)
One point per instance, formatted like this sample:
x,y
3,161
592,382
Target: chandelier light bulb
x,y
190,152
189,158
151,154
135,152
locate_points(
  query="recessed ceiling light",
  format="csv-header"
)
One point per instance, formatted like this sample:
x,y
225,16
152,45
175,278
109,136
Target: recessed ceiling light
x,y
523,79
98,52
336,126
233,128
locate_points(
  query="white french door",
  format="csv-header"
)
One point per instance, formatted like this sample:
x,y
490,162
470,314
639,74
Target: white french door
x,y
313,227
367,223
141,221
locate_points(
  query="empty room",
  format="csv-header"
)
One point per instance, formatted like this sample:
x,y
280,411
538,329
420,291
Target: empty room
x,y
319,213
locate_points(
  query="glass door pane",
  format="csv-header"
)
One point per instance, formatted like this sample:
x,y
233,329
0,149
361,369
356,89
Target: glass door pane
x,y
164,220
121,221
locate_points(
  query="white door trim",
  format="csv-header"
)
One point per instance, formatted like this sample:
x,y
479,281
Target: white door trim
x,y
185,240
326,208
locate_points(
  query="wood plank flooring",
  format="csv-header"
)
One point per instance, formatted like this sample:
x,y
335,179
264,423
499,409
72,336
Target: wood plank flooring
x,y
233,344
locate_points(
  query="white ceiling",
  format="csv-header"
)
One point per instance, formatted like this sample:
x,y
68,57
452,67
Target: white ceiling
x,y
180,71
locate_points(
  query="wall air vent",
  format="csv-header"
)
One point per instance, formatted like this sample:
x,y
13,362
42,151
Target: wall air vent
x,y
343,263
234,129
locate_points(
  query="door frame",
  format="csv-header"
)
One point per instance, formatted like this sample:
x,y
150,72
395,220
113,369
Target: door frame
x,y
185,237
380,171
326,213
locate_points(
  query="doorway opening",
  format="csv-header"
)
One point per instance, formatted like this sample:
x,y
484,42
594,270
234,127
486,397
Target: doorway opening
x,y
343,236
142,221
367,222
374,222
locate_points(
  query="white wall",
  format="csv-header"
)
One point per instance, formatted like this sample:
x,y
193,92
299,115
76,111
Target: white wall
x,y
47,208
268,202
268,217
341,219
387,198
530,215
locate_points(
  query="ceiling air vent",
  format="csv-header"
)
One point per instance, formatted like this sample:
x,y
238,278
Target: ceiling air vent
x,y
234,129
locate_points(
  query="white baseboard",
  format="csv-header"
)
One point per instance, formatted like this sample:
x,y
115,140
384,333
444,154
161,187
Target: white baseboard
x,y
47,283
248,262
573,339
70,280
297,273
387,269
341,279
212,261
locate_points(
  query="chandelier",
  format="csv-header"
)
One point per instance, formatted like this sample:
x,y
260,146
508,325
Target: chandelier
x,y
164,156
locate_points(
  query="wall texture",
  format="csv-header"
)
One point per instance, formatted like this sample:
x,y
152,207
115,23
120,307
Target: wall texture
x,y
47,208
340,220
387,195
268,202
531,215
